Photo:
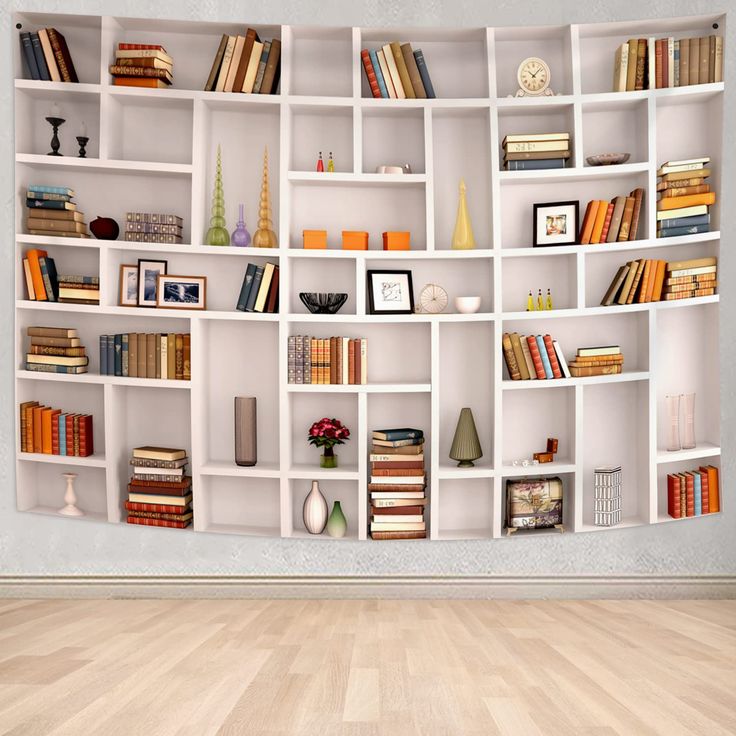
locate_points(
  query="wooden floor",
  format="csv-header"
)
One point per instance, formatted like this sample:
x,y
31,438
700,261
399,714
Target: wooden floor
x,y
364,668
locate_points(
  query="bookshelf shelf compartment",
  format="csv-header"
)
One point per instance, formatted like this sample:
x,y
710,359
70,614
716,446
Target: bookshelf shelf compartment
x,y
321,61
393,137
700,451
326,130
465,509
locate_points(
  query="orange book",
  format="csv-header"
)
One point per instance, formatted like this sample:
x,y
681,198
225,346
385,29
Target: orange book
x,y
714,503
645,281
36,277
37,437
139,82
587,229
29,428
658,281
689,200
47,417
607,222
652,278
600,219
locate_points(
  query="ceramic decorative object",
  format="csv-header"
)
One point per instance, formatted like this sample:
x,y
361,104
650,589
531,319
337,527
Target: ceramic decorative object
x,y
240,236
70,497
432,299
673,423
462,237
104,228
607,159
314,511
688,427
265,237
218,234
465,444
326,433
323,303
467,304
337,524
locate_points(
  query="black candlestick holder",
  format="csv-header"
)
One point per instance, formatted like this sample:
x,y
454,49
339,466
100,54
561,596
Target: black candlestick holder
x,y
83,140
55,123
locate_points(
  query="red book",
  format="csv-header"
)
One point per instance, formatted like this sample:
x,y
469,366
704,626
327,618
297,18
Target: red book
x,y
158,522
606,223
86,444
397,510
704,492
659,57
689,494
158,508
370,72
683,494
673,496
536,357
386,464
552,355
273,293
70,434
141,47
55,435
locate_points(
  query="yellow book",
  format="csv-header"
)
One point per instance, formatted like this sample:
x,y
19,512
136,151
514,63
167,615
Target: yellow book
x,y
689,200
600,220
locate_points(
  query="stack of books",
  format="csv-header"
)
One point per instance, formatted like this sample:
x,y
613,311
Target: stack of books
x,y
328,361
47,56
246,64
149,227
142,65
260,289
396,71
532,357
397,484
44,284
536,151
597,361
159,493
693,278
55,432
614,221
51,212
56,350
140,355
694,492
607,496
649,63
684,197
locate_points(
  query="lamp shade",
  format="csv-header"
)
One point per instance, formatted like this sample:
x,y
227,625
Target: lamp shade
x,y
465,444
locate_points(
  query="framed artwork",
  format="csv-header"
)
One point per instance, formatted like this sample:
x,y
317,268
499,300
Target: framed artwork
x,y
128,285
148,273
390,292
182,292
556,223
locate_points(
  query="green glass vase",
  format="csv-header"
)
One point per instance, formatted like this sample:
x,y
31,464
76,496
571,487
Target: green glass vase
x,y
328,459
337,525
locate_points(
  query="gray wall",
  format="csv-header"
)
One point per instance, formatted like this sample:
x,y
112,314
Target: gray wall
x,y
31,544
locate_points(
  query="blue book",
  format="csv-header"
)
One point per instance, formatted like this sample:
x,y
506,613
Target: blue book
x,y
118,346
535,164
544,356
250,272
30,57
698,494
50,190
424,74
253,293
62,434
684,221
110,355
124,353
392,435
47,285
689,230
379,73
43,69
103,355
49,204
51,368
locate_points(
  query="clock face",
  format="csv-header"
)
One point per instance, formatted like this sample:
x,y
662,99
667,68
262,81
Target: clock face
x,y
533,76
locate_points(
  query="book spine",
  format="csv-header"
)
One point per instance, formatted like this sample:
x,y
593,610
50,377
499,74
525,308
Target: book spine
x,y
378,74
424,74
104,371
158,522
536,357
43,70
370,73
30,57
556,372
510,358
545,358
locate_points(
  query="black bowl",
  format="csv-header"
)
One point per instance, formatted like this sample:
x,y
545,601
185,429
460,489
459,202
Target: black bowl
x,y
323,303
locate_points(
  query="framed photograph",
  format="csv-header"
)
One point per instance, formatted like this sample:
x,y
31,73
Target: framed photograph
x,y
128,285
148,273
390,292
556,223
182,292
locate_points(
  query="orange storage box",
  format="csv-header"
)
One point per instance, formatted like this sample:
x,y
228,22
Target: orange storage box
x,y
315,238
396,240
354,240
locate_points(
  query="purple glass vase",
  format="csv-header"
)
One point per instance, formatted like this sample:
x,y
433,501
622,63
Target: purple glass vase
x,y
240,236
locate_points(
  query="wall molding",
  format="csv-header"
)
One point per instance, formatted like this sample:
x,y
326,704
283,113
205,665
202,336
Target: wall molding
x,y
352,587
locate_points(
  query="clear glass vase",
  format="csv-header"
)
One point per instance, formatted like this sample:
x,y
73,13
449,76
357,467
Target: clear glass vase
x,y
673,422
328,459
688,427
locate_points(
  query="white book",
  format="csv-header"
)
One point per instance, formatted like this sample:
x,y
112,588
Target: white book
x,y
165,357
603,350
235,63
252,69
561,359
386,73
623,67
380,458
394,72
386,495
399,527
395,480
670,62
49,55
225,68
397,518
139,470
536,137
698,209
652,67
390,503
691,271
674,168
686,161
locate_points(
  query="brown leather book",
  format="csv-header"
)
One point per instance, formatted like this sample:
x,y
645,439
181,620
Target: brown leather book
x,y
333,361
704,56
171,355
396,510
62,56
402,450
150,355
519,355
133,355
685,191
618,212
637,281
179,362
141,348
684,62
157,348
644,291
631,68
273,294
250,37
118,70
270,82
638,195
623,233
415,77
510,358
351,361
694,76
641,57
187,348
398,535
216,63
659,61
390,464
396,472
403,71
711,59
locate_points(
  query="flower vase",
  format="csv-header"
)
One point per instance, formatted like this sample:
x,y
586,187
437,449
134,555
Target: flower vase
x,y
673,422
328,459
314,511
688,429
337,525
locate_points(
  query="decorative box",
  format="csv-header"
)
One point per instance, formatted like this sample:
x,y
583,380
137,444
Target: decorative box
x,y
396,240
354,240
552,444
315,238
533,503
544,457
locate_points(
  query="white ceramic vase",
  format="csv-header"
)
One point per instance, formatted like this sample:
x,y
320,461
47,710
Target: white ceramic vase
x,y
315,510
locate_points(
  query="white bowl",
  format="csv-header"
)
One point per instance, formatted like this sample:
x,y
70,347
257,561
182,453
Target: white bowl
x,y
467,304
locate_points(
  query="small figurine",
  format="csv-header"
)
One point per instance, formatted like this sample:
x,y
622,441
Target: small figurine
x,y
320,163
549,299
330,164
540,301
530,302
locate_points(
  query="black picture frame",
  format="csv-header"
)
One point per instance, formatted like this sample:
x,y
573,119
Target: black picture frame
x,y
142,302
571,235
374,305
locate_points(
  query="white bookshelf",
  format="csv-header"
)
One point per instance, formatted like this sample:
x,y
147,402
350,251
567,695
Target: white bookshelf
x,y
155,150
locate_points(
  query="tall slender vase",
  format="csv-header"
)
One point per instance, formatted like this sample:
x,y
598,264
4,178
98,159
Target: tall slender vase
x,y
673,422
688,429
462,237
337,524
314,511
218,234
264,236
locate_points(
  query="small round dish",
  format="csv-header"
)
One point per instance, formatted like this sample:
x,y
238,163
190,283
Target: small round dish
x,y
608,159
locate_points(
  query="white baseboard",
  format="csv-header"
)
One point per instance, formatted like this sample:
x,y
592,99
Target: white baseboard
x,y
325,587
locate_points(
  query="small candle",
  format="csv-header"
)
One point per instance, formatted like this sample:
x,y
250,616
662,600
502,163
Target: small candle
x,y
84,129
55,111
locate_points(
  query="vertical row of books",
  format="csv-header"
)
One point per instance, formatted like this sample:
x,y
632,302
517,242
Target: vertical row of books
x,y
56,350
327,361
51,212
616,221
142,65
245,64
141,355
396,71
44,284
50,431
47,56
683,206
159,492
260,289
397,484
694,492
533,357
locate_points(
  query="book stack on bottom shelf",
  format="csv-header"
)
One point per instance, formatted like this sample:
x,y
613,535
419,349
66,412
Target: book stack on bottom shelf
x,y
597,361
159,493
607,500
56,350
693,493
397,484
683,207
